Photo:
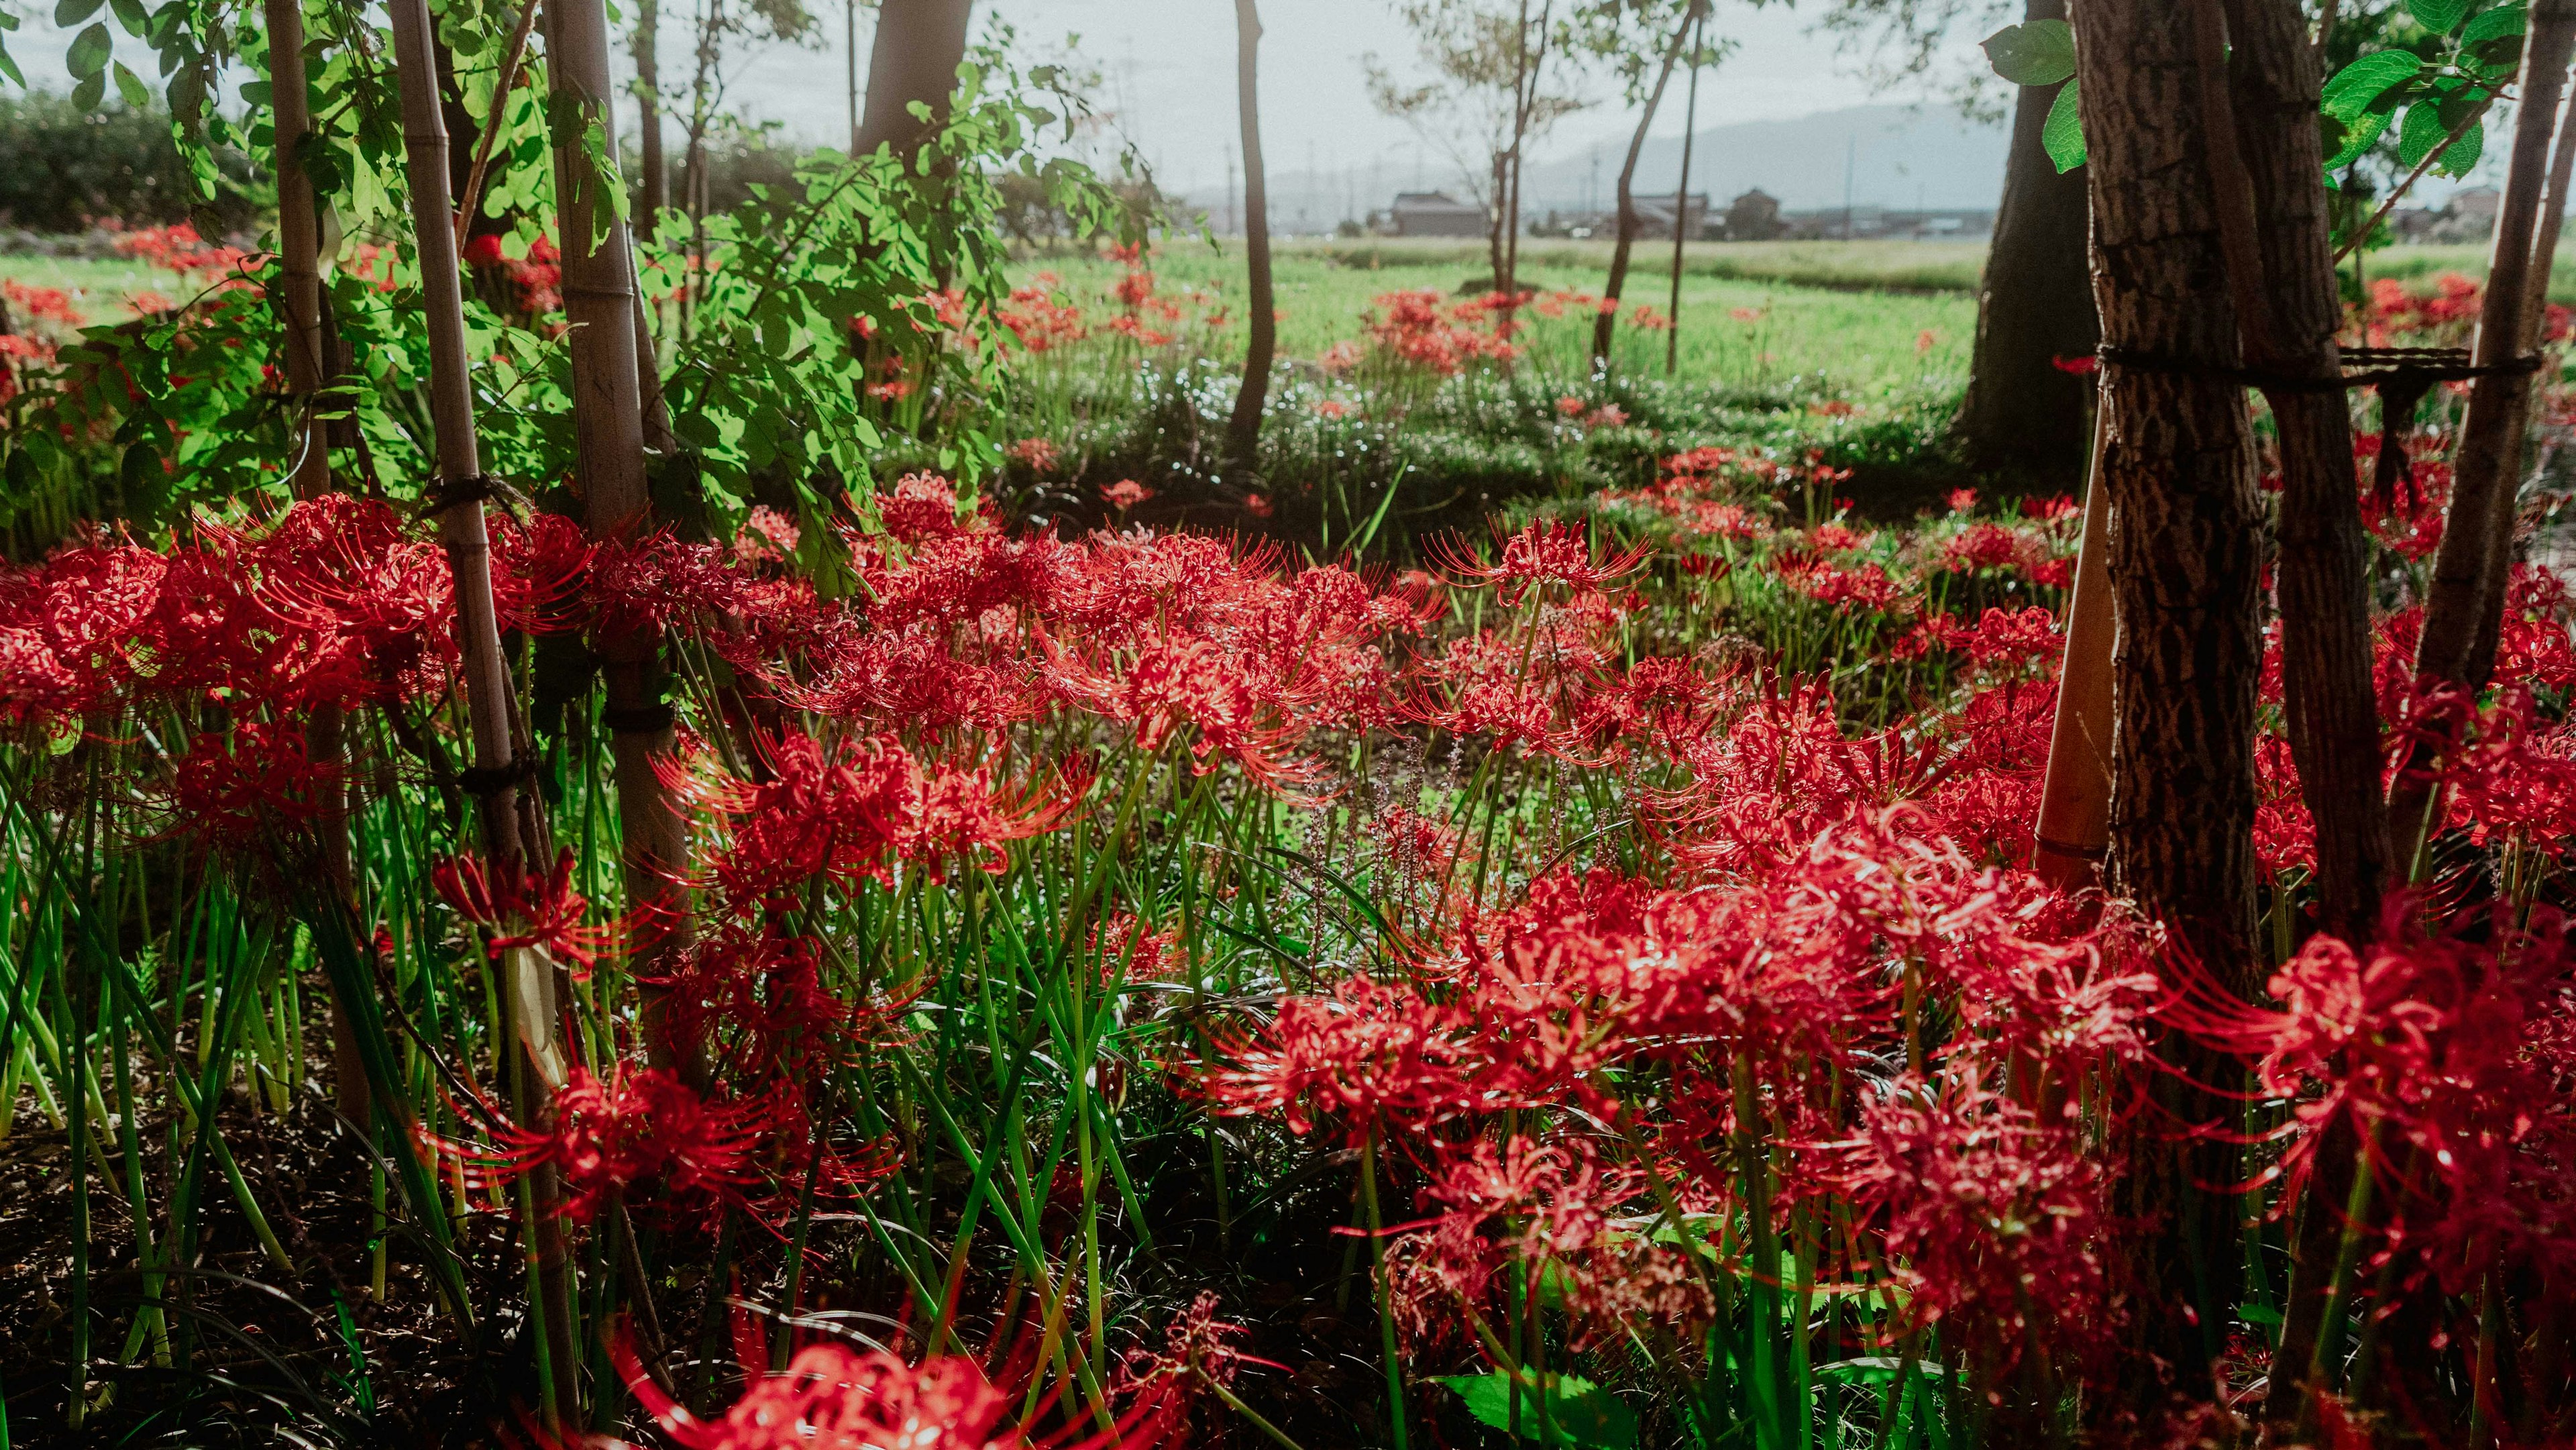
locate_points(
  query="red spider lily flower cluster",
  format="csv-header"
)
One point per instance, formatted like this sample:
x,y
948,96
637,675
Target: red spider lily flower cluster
x,y
833,1397
525,910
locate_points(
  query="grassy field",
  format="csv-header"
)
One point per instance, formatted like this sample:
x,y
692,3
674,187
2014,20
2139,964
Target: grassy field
x,y
97,289
1735,331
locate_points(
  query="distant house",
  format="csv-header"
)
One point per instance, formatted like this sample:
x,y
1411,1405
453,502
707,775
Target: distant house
x,y
1655,215
1436,214
1753,217
2469,216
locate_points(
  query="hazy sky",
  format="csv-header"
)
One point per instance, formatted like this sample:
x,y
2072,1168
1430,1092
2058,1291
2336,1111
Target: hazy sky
x,y
1169,79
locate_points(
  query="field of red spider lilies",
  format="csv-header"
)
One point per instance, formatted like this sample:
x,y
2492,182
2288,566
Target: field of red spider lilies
x,y
1153,988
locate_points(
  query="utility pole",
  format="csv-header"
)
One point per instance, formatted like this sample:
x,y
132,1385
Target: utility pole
x,y
1851,159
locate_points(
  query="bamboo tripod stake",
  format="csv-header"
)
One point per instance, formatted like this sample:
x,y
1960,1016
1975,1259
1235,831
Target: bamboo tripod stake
x,y
2075,796
509,840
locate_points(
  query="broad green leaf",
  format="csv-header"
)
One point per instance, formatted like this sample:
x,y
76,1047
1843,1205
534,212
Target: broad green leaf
x,y
88,55
2359,136
2463,154
2357,85
1579,1412
88,93
130,86
2492,42
2420,132
2036,53
73,12
131,15
9,68
2063,132
2437,16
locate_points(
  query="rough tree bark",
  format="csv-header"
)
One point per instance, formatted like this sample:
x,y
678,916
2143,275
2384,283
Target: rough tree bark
x,y
1243,430
2034,305
2185,563
913,59
1605,323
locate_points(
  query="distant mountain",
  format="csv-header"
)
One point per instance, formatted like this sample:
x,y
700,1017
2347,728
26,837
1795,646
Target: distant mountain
x,y
1898,156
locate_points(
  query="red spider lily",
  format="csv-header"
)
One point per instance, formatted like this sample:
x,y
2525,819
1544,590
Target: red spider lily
x,y
243,787
1993,1220
2447,1057
1867,586
1192,689
1366,1055
525,910
1550,1208
833,1397
631,1131
538,572
922,506
1545,553
844,812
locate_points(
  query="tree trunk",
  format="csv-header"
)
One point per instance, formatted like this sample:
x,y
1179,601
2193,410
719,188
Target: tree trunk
x,y
1243,430
913,59
1605,323
648,101
2185,564
2034,305
2272,188
2464,606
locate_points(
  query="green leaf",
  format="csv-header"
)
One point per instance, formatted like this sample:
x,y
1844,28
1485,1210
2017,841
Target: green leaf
x,y
73,12
130,86
2437,16
2420,132
2464,153
2063,132
88,55
2358,137
88,93
9,68
2357,85
2036,53
1578,1411
1873,1369
2493,40
131,15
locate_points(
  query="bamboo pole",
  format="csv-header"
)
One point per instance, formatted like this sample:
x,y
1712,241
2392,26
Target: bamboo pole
x,y
600,301
507,837
1681,206
2074,828
299,302
2463,605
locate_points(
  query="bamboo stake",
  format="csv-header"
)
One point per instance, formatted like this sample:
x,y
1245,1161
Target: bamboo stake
x,y
608,446
490,709
1681,207
299,298
2075,795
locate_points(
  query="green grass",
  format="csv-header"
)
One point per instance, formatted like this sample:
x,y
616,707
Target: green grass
x,y
2418,266
98,289
1852,266
1849,343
